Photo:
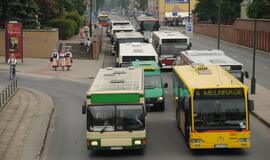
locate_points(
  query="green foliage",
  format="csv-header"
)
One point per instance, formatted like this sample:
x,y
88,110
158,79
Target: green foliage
x,y
263,9
207,10
23,11
66,27
47,10
74,16
70,6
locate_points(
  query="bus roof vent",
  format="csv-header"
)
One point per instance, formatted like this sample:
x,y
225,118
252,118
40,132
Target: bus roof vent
x,y
137,50
131,68
200,68
171,34
108,75
119,72
117,81
217,61
136,45
109,68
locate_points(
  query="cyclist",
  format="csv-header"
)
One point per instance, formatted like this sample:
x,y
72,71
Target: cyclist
x,y
12,61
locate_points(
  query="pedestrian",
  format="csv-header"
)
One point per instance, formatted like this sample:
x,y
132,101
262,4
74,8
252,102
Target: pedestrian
x,y
87,44
55,59
62,58
69,60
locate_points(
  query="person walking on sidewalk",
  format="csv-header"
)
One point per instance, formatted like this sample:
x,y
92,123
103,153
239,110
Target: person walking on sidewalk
x,y
12,61
62,57
69,60
55,59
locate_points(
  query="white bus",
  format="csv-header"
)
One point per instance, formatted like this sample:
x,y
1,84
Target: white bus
x,y
168,45
115,110
217,57
121,28
116,23
125,37
130,52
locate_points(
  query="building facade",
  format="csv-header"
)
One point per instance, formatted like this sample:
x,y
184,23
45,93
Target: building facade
x,y
169,8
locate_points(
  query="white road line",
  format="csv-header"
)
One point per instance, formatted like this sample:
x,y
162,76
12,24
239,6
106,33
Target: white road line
x,y
35,76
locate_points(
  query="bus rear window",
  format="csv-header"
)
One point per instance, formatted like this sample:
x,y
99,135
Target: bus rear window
x,y
140,58
183,40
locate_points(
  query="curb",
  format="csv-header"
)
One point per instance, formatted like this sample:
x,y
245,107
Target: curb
x,y
36,137
261,119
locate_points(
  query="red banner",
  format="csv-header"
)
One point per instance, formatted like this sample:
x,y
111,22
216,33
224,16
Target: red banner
x,y
14,40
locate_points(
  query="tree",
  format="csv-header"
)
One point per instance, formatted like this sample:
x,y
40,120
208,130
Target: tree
x,y
207,10
47,10
263,9
23,11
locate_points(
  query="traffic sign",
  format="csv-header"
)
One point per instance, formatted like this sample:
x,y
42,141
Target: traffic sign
x,y
189,28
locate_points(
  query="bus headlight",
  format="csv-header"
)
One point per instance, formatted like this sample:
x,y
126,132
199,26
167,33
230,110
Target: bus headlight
x,y
94,143
163,64
160,99
196,141
137,142
244,140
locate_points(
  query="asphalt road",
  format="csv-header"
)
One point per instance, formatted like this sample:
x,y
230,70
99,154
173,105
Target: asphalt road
x,y
66,135
67,132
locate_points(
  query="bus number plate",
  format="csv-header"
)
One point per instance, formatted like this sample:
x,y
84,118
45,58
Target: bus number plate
x,y
116,148
221,146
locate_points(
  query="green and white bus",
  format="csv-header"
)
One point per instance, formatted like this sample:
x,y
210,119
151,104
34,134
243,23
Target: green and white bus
x,y
115,110
153,85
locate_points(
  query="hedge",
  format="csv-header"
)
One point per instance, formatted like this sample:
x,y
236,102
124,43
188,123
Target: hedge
x,y
67,27
76,17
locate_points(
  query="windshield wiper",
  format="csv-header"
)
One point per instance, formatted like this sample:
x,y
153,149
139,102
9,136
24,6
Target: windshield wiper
x,y
105,126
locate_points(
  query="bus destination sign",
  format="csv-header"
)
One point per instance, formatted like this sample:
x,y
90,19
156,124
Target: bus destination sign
x,y
224,92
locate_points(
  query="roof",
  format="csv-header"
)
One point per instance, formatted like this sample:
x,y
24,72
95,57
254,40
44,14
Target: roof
x,y
123,27
145,17
168,34
135,48
214,77
209,57
120,21
117,80
147,65
128,35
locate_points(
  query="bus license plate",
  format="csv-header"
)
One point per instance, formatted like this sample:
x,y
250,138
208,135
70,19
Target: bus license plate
x,y
221,146
116,148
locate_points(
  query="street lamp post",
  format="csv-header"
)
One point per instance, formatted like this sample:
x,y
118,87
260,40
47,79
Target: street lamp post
x,y
90,18
253,79
189,10
219,19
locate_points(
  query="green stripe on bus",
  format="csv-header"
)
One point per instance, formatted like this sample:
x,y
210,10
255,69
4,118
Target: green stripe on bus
x,y
115,98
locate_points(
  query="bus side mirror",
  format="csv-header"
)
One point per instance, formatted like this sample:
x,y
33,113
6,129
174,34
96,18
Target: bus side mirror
x,y
190,44
187,103
165,85
84,107
146,41
246,74
250,105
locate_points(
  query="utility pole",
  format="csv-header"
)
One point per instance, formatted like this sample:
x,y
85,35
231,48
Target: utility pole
x,y
189,10
253,79
219,19
90,18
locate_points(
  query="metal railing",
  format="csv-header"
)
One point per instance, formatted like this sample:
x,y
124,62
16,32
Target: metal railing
x,y
7,92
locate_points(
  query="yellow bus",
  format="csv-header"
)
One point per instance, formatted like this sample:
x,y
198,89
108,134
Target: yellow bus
x,y
211,107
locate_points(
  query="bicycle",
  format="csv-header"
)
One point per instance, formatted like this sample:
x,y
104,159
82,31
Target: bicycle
x,y
12,72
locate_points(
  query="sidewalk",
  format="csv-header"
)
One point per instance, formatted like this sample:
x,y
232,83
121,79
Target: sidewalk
x,y
82,70
262,103
23,125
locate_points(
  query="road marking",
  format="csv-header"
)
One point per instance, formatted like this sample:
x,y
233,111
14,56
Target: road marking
x,y
35,76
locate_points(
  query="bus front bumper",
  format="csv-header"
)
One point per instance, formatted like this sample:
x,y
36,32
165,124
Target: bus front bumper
x,y
213,146
99,145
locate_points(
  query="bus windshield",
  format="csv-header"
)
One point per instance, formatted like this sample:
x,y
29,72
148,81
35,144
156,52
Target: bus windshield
x,y
172,48
116,118
149,25
219,114
139,58
152,81
104,19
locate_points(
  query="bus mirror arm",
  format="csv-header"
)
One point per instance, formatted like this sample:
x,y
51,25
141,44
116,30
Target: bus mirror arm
x,y
246,74
187,103
250,105
165,85
84,107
